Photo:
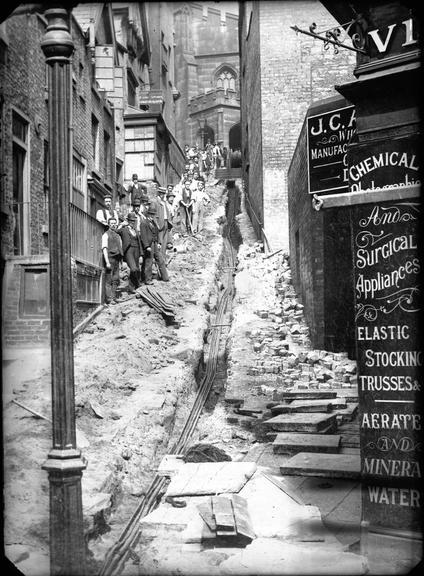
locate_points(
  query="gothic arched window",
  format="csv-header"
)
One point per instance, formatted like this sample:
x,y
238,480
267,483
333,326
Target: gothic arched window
x,y
226,78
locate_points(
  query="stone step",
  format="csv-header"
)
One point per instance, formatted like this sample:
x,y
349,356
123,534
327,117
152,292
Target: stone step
x,y
302,422
323,465
287,442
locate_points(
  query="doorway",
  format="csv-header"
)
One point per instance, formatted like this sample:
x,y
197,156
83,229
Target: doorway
x,y
234,142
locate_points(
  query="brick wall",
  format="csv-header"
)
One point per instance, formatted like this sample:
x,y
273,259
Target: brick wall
x,y
23,82
294,71
19,330
320,253
306,242
24,89
251,114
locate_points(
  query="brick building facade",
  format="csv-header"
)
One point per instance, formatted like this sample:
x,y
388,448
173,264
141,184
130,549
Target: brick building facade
x,y
122,122
282,73
207,73
321,251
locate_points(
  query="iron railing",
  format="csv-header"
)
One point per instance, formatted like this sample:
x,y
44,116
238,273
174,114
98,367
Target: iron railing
x,y
29,232
86,236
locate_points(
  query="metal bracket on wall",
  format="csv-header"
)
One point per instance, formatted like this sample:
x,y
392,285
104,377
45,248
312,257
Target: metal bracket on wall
x,y
353,30
317,202
392,193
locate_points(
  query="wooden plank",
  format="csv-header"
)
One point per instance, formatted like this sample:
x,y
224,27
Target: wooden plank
x,y
222,508
306,442
323,465
349,394
305,395
301,422
347,414
242,517
303,406
198,478
206,512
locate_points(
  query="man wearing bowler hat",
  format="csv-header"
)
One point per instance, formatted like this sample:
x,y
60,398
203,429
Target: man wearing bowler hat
x,y
132,249
151,247
136,189
162,219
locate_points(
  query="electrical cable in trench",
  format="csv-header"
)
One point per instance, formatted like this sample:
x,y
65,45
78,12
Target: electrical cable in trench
x,y
121,550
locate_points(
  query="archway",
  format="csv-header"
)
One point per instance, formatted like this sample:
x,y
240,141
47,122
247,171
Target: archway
x,y
234,143
205,134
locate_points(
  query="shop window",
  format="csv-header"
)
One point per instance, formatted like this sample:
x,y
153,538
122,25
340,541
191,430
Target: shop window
x,y
34,299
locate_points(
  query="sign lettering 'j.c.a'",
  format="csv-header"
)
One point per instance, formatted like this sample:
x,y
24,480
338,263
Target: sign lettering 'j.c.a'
x,y
329,134
390,359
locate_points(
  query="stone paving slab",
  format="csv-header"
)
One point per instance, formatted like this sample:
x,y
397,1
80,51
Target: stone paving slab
x,y
306,442
325,465
301,422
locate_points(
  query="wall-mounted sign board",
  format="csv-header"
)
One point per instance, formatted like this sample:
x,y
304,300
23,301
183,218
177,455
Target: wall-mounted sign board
x,y
390,359
329,134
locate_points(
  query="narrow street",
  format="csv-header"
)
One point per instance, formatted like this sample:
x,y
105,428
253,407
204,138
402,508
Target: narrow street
x,y
211,288
133,402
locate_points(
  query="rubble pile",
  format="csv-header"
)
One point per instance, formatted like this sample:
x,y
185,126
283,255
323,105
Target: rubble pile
x,y
279,356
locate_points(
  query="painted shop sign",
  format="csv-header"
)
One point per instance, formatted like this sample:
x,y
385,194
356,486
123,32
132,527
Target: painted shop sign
x,y
394,38
386,164
390,360
329,135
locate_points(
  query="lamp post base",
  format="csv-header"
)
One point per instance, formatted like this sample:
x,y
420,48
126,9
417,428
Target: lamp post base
x,y
67,545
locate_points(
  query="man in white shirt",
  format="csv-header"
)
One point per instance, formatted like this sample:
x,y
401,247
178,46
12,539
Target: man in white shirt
x,y
201,199
103,214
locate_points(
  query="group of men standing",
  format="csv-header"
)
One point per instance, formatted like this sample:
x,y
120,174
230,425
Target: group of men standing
x,y
141,237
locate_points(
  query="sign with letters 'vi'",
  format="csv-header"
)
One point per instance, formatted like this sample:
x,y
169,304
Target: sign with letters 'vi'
x,y
329,134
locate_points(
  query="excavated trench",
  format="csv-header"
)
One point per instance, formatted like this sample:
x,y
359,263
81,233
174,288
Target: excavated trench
x,y
209,375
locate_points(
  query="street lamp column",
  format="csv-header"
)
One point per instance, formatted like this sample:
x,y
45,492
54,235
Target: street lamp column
x,y
64,464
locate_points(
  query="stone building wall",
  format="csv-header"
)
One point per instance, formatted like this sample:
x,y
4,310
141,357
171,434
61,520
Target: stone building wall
x,y
206,39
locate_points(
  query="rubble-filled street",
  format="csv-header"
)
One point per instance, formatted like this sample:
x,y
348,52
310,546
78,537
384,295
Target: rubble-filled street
x,y
211,272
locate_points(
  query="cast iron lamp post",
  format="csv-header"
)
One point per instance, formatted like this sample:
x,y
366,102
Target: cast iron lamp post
x,y
64,464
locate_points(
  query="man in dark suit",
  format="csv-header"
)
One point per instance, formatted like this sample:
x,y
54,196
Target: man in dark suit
x,y
136,189
151,248
132,249
162,219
